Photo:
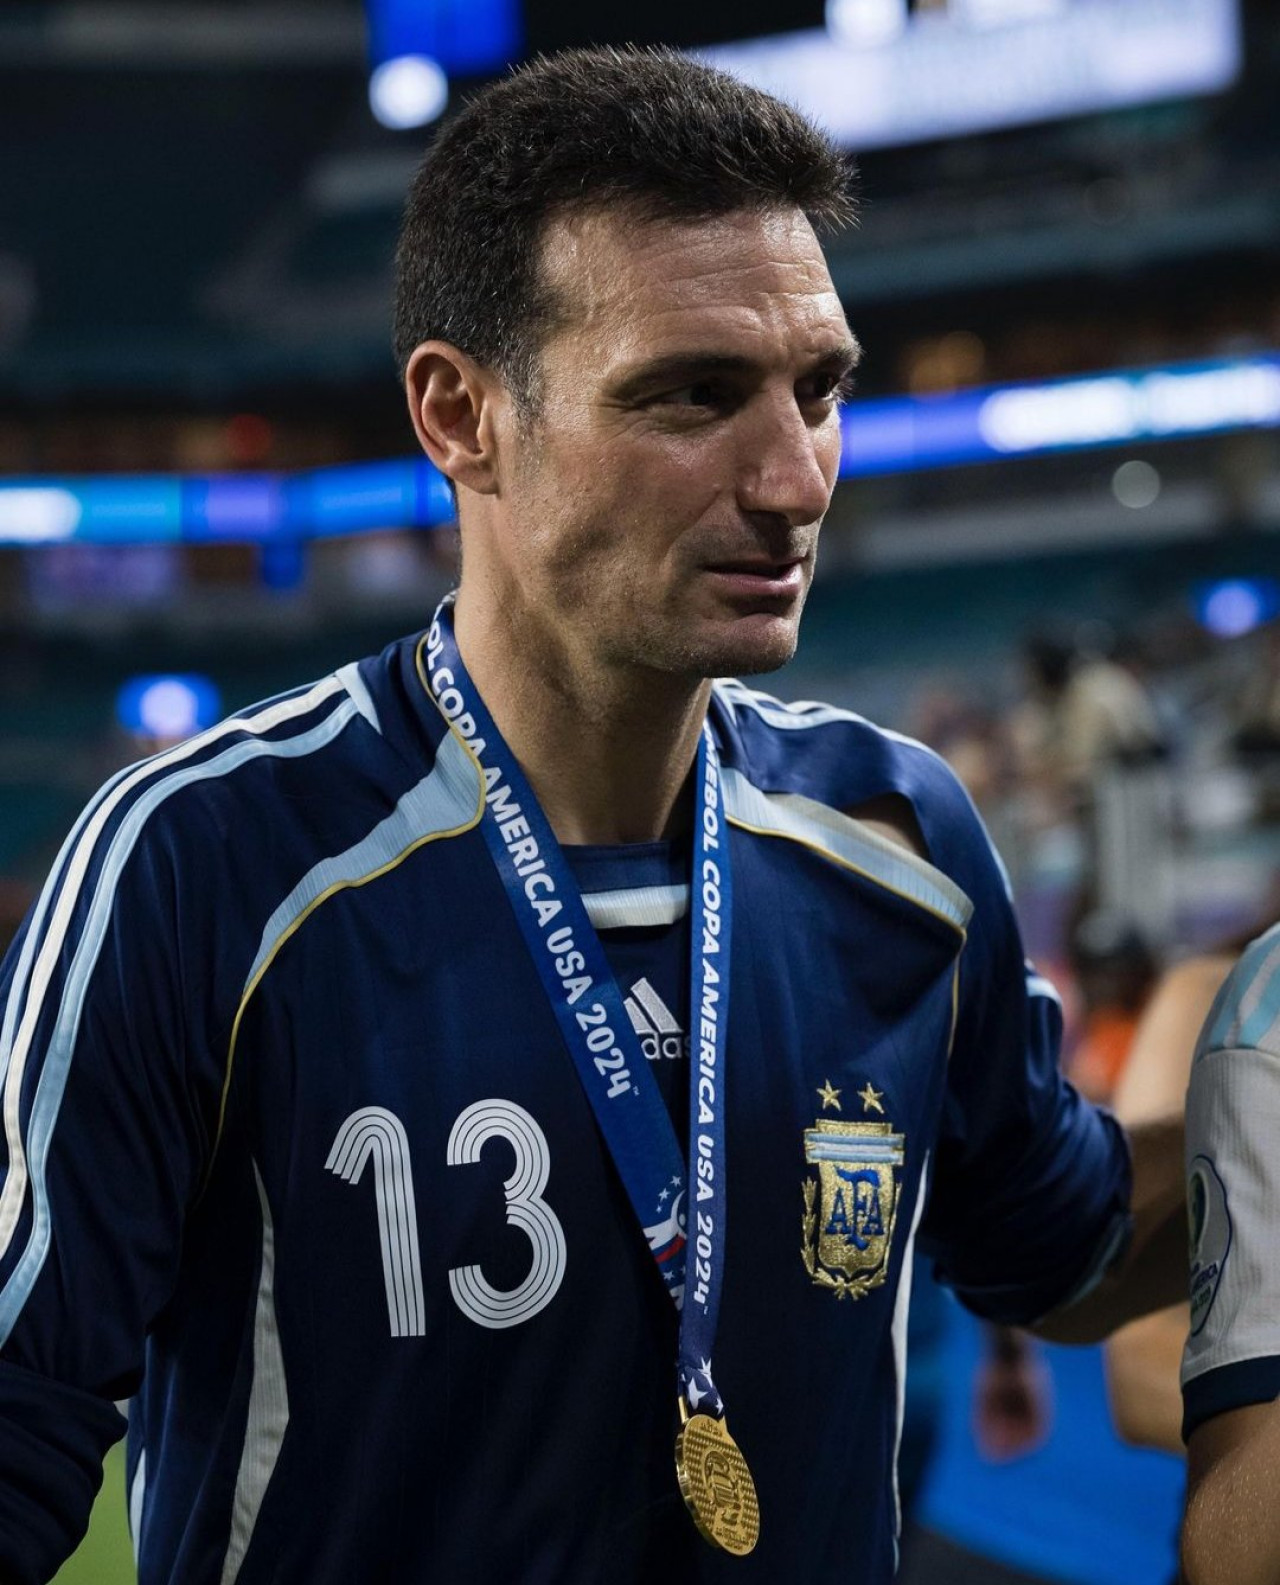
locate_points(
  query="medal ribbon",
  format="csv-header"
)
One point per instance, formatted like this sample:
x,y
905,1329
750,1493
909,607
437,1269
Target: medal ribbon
x,y
579,984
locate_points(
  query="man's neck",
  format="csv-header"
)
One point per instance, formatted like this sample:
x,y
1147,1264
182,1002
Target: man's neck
x,y
607,751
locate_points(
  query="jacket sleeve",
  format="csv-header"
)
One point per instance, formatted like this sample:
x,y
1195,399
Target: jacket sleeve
x,y
1031,1183
109,1113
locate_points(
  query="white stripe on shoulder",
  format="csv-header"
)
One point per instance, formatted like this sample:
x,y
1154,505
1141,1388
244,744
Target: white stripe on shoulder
x,y
805,713
637,905
167,774
76,851
800,714
796,716
444,801
849,842
350,678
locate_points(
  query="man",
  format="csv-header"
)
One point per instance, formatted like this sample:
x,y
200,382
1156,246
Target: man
x,y
1231,1366
336,1136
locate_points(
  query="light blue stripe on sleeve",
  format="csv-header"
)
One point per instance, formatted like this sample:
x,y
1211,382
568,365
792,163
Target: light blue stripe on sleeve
x,y
34,937
57,1064
1251,1005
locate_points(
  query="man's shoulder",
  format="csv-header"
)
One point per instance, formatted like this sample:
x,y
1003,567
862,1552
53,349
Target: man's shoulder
x,y
839,759
1246,1013
271,750
828,753
287,780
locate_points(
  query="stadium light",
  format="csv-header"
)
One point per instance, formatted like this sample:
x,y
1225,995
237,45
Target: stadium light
x,y
864,24
1136,484
37,514
898,434
1232,607
408,91
416,46
167,706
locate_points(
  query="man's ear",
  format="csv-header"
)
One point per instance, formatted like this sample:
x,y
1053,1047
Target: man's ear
x,y
453,404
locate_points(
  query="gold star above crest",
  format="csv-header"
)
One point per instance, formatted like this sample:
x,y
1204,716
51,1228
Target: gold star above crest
x,y
829,1096
871,1099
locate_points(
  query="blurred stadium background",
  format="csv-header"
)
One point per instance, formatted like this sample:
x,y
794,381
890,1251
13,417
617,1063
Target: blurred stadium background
x,y
1054,554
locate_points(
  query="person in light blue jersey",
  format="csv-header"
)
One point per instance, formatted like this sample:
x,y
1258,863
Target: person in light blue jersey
x,y
482,1106
1231,1363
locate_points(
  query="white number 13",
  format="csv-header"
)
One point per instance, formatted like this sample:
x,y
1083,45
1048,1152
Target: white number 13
x,y
377,1134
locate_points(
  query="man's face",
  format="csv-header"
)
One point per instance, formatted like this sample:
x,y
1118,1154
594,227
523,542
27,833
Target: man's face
x,y
661,509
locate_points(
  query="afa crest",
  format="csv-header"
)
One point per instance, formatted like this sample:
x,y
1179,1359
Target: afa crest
x,y
851,1208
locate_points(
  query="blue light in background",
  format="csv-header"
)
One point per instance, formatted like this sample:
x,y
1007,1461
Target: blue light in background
x,y
233,506
898,434
1232,607
282,564
167,706
467,37
363,495
243,508
129,508
982,424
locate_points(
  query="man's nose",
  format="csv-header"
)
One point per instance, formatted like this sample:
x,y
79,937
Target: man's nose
x,y
788,463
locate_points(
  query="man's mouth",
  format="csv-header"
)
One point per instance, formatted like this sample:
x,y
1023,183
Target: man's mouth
x,y
760,575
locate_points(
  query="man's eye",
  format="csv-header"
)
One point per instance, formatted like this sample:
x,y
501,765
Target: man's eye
x,y
835,388
703,393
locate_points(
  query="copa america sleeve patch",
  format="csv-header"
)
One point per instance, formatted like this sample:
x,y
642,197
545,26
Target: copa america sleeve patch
x,y
1209,1226
1232,1355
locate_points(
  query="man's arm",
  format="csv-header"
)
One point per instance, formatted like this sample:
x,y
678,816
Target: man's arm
x,y
1149,1102
1151,1272
1231,1368
1143,1357
1142,1361
1032,1185
1231,1532
100,1151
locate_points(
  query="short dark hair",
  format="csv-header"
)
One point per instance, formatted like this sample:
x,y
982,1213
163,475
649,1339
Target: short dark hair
x,y
647,130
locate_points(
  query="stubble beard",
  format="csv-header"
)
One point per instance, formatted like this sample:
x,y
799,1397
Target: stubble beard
x,y
697,658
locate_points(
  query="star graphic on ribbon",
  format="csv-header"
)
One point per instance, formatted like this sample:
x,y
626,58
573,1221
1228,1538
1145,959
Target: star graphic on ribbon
x,y
830,1097
871,1099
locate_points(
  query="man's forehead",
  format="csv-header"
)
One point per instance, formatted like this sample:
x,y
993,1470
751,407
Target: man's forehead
x,y
613,269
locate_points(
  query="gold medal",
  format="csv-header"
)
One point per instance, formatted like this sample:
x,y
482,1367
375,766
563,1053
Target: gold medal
x,y
716,1483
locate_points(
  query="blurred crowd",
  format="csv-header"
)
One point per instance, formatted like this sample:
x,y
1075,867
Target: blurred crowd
x,y
1118,767
1132,788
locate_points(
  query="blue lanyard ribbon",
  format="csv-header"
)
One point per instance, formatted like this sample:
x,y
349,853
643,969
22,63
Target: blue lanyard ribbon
x,y
588,1005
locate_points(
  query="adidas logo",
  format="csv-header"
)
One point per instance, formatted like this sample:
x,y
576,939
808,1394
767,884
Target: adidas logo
x,y
660,1035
